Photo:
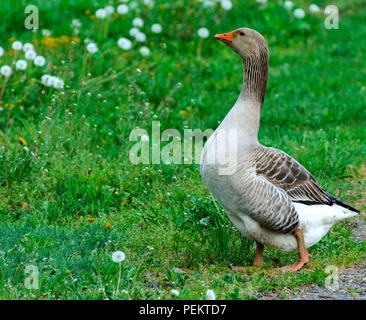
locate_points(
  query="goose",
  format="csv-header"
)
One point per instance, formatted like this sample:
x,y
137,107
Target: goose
x,y
268,195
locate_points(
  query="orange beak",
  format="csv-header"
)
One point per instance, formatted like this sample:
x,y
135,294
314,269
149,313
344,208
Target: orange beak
x,y
226,38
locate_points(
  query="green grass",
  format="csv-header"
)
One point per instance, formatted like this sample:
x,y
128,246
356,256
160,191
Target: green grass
x,y
85,200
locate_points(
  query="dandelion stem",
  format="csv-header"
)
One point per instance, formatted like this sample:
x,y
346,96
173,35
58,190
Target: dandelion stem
x,y
119,279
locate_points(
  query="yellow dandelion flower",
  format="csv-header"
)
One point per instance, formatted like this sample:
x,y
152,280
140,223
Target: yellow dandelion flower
x,y
12,39
108,225
90,219
12,105
96,188
183,113
170,75
19,100
76,39
123,202
92,17
22,140
87,12
64,39
67,271
152,73
49,42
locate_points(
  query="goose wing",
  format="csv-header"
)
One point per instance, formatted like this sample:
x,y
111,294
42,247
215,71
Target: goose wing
x,y
286,173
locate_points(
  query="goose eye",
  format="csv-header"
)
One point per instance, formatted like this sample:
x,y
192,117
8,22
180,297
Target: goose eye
x,y
241,33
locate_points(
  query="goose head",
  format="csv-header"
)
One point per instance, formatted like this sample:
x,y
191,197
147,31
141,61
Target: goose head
x,y
246,42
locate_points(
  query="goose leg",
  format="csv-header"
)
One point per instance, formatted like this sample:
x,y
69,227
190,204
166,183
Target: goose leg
x,y
258,259
303,253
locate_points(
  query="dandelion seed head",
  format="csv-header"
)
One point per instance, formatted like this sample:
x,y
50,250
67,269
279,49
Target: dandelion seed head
x,y
203,33
6,71
27,46
138,22
1,51
226,5
140,37
210,294
109,9
174,292
133,32
39,61
149,3
145,51
76,23
21,64
124,43
118,256
17,45
313,8
92,47
101,13
30,54
288,5
122,9
46,32
156,28
299,13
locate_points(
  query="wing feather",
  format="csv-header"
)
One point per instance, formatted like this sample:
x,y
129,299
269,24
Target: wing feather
x,y
287,174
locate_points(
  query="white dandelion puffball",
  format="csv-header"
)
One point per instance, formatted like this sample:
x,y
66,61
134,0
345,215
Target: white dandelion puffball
x,y
226,5
92,47
30,54
133,5
46,32
124,43
138,22
144,138
156,28
76,23
174,292
1,51
27,46
122,9
39,61
299,13
210,294
46,80
101,13
118,256
145,51
57,83
140,37
21,65
17,45
6,71
109,10
288,5
149,3
203,33
209,3
314,8
133,32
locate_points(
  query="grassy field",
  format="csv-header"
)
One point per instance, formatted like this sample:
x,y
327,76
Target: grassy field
x,y
69,195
